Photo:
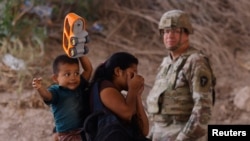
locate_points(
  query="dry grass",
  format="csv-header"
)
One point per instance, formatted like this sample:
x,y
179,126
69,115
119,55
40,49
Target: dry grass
x,y
221,30
30,53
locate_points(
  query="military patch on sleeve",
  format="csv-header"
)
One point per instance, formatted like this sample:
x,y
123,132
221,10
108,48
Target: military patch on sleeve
x,y
203,81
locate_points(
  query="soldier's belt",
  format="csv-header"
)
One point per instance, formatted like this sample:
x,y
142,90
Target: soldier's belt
x,y
170,118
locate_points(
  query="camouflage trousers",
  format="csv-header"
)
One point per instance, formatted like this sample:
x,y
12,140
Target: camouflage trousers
x,y
161,131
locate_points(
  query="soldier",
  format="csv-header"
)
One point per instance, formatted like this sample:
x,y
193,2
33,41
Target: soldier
x,y
181,100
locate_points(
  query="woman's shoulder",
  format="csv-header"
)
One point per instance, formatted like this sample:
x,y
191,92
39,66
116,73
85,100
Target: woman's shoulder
x,y
105,84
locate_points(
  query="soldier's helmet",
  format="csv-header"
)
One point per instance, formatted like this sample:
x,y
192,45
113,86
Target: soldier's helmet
x,y
175,18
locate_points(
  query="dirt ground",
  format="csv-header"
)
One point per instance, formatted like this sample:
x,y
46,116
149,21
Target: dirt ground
x,y
24,117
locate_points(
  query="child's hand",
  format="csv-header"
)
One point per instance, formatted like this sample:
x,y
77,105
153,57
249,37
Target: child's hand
x,y
36,83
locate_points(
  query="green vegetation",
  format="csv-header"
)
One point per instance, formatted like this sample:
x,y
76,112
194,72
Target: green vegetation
x,y
25,31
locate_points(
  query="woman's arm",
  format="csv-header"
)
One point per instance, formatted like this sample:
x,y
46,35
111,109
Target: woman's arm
x,y
142,118
124,108
115,101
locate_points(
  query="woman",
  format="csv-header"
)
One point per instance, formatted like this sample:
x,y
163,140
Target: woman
x,y
117,74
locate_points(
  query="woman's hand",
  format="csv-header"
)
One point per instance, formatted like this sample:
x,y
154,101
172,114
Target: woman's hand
x,y
135,82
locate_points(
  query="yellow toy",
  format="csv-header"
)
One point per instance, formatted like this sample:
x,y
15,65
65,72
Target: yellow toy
x,y
75,36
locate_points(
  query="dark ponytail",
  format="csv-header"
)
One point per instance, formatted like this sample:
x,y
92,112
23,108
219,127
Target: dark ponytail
x,y
105,71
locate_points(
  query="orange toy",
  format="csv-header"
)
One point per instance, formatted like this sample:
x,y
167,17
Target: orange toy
x,y
75,36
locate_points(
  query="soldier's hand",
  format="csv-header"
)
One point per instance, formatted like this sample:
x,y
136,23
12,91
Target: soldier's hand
x,y
37,83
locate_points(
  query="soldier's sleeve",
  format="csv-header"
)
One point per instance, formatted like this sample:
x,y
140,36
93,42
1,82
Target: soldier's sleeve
x,y
200,84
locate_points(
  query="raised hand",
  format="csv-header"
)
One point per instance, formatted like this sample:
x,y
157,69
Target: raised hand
x,y
37,83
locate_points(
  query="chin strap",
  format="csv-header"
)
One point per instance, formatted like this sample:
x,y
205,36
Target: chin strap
x,y
179,44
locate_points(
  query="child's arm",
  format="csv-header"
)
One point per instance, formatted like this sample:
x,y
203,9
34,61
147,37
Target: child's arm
x,y
44,93
87,67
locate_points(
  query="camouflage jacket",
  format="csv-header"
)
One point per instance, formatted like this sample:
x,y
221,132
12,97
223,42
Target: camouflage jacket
x,y
189,77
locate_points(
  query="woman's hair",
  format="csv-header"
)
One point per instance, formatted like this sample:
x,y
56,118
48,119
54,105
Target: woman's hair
x,y
62,59
105,71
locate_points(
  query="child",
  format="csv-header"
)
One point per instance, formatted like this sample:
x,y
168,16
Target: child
x,y
68,102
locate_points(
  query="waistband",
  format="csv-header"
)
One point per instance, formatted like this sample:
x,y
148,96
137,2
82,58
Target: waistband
x,y
170,118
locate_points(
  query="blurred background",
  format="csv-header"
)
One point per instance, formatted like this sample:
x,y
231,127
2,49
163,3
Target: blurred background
x,y
31,36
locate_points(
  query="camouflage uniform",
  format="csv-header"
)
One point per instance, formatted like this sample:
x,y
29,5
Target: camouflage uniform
x,y
180,101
